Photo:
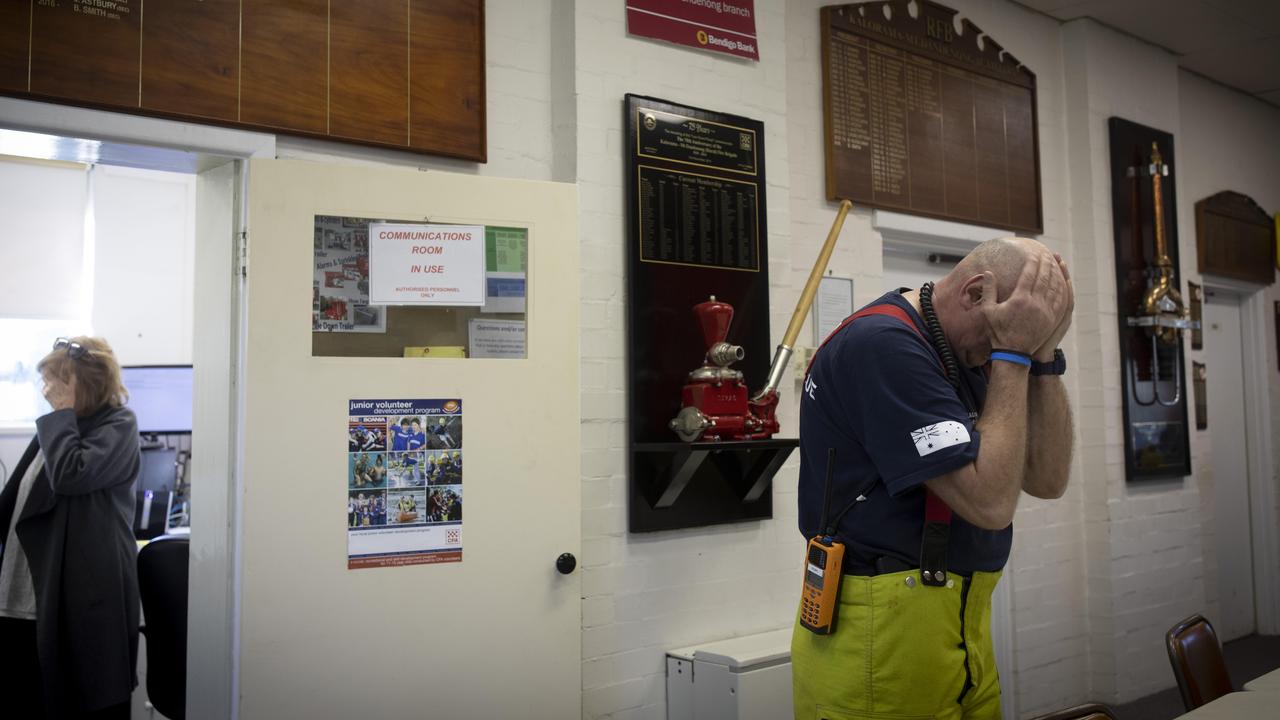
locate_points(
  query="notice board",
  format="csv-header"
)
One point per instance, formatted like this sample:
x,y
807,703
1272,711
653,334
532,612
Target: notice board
x,y
924,116
407,74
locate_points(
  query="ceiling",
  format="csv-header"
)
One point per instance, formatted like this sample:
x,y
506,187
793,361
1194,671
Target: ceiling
x,y
1235,42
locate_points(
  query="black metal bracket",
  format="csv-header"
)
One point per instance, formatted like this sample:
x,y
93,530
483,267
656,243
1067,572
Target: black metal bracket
x,y
678,485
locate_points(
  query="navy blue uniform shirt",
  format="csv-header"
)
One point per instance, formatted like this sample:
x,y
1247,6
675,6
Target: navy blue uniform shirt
x,y
878,395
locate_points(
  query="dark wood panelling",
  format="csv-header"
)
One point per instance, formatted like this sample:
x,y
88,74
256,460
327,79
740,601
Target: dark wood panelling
x,y
284,55
993,185
1023,165
1235,238
446,85
15,31
959,146
87,53
392,73
369,71
921,118
190,58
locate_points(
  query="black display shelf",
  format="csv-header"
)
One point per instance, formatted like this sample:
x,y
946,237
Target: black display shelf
x,y
680,485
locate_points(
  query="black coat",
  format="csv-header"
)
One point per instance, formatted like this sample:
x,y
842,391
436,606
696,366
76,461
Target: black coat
x,y
76,529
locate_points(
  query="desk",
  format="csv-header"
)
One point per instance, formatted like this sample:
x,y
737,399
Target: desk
x,y
1238,706
1266,683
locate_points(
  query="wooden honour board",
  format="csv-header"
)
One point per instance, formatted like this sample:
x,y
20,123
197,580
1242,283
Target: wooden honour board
x,y
920,118
407,74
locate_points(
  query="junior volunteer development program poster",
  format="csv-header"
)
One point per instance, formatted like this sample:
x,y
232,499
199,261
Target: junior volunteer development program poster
x,y
404,482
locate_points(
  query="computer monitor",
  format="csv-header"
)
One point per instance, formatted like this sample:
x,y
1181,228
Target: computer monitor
x,y
151,513
160,395
159,470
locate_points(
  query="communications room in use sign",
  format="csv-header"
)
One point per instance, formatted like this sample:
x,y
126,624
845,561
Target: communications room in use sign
x,y
725,26
426,264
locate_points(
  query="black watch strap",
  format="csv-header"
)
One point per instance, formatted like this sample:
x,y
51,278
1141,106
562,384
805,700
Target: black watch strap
x,y
1057,367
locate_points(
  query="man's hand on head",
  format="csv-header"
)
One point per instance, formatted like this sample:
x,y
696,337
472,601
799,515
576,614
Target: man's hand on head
x,y
1045,352
1031,315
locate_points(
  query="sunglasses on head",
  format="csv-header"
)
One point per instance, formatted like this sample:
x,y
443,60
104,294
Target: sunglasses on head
x,y
74,349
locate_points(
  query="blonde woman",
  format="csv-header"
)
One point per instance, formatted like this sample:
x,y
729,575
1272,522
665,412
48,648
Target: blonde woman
x,y
68,569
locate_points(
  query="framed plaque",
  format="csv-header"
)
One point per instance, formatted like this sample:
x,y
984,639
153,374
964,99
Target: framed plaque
x,y
1153,376
697,227
923,117
1235,238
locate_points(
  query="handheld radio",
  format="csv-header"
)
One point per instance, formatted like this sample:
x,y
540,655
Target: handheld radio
x,y
824,568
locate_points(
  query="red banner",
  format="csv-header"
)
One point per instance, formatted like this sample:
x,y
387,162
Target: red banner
x,y
727,26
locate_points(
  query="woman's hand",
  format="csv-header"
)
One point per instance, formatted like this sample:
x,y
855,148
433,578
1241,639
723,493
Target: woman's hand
x,y
61,394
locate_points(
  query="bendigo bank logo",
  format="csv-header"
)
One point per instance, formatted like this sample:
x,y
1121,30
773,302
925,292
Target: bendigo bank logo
x,y
451,406
704,38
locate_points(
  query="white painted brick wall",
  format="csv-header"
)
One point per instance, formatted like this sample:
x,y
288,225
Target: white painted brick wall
x,y
644,594
1210,113
1149,547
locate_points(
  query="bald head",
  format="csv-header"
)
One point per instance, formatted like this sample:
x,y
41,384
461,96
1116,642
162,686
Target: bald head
x,y
958,297
1002,257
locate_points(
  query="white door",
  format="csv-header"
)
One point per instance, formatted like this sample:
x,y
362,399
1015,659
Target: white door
x,y
1225,391
497,635
911,269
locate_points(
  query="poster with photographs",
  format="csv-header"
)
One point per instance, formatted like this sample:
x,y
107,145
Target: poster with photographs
x,y
403,482
340,286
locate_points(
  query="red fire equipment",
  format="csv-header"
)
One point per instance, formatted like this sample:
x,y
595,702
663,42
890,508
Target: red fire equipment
x,y
715,404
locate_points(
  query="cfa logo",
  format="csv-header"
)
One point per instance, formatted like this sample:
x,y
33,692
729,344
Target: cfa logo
x,y
451,537
809,387
702,37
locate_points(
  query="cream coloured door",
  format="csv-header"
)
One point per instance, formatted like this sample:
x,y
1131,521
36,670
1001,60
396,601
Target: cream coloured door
x,y
496,635
1227,431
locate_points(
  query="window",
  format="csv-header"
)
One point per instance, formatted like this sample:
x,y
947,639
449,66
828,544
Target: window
x,y
21,390
494,268
48,246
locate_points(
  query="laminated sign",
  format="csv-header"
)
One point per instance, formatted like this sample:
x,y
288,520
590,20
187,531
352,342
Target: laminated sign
x,y
426,264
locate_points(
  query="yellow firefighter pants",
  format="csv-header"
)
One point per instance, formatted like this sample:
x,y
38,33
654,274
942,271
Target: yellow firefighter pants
x,y
901,651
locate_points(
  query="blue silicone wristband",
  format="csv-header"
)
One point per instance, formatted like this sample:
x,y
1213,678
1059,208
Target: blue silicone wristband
x,y
1011,356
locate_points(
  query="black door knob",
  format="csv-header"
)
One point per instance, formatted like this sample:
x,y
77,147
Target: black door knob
x,y
566,563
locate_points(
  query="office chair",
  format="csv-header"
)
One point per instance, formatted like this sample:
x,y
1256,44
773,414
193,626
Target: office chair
x,y
162,583
1196,656
1090,711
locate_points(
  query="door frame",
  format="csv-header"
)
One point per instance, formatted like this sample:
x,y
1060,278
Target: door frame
x,y
1254,316
217,529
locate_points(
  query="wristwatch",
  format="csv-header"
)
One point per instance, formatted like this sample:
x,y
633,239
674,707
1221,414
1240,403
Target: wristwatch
x,y
1057,367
